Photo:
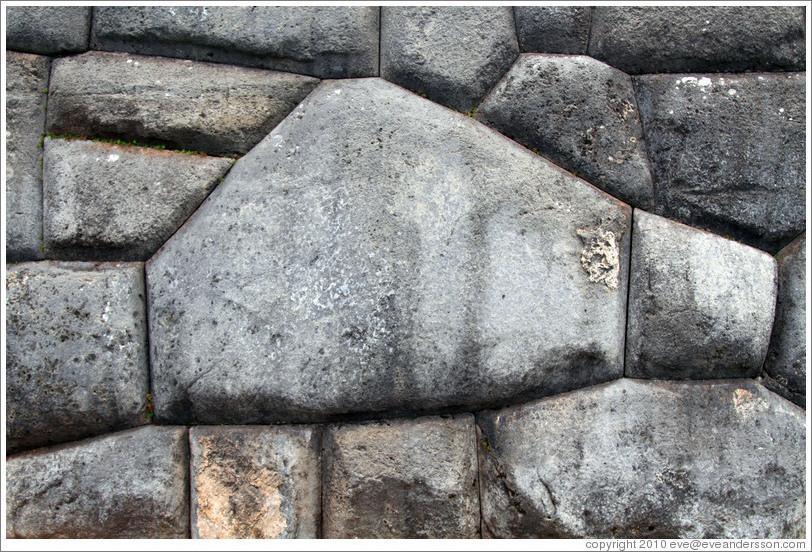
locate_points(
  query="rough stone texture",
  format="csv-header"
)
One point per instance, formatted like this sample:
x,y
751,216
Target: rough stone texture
x,y
785,367
48,29
255,482
553,29
579,113
646,460
677,39
76,355
453,55
700,306
218,109
327,42
26,93
407,260
132,484
728,152
118,203
402,479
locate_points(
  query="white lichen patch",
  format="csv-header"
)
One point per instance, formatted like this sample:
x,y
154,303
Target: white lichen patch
x,y
600,256
746,404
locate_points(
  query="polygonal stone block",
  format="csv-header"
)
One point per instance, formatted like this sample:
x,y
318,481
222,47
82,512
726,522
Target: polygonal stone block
x,y
48,29
553,29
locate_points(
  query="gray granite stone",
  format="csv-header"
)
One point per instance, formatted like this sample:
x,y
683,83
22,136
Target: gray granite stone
x,y
326,42
402,479
579,113
76,355
380,253
48,29
700,306
634,459
217,109
453,55
553,29
728,152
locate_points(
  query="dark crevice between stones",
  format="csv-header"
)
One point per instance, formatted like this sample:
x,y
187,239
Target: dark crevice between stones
x,y
589,35
149,407
380,33
628,290
90,28
518,36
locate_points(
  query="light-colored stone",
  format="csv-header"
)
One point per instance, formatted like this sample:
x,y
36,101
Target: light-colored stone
x,y
48,29
553,29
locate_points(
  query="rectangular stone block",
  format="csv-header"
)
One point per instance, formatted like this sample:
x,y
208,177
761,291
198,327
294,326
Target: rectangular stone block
x,y
48,29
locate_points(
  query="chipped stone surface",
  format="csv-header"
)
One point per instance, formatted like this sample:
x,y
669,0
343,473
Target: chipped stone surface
x,y
401,479
580,114
407,260
217,109
453,55
256,482
117,203
131,484
553,29
785,367
26,94
678,39
634,459
76,351
326,42
700,306
48,29
728,152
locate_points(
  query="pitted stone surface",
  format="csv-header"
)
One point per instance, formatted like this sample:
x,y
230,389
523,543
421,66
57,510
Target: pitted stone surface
x,y
217,109
129,485
728,152
700,306
48,29
579,113
453,55
255,482
402,479
26,94
326,42
407,260
117,203
635,459
785,367
76,355
553,29
679,39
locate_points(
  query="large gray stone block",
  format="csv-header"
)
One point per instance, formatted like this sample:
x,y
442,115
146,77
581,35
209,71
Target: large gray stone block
x,y
76,355
402,479
579,113
26,94
129,485
255,482
635,459
217,109
380,253
453,55
326,42
785,367
104,202
700,306
728,152
681,39
48,29
553,29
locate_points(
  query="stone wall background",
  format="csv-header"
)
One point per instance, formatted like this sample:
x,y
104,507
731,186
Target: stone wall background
x,y
398,272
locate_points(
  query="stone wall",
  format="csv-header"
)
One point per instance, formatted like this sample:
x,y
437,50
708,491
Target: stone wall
x,y
449,272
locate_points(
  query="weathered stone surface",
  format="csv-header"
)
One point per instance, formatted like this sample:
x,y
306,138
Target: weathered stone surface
x,y
785,367
255,482
728,152
700,306
26,93
119,203
327,42
402,479
677,39
453,55
76,354
579,113
132,484
48,29
553,29
218,109
635,459
406,259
